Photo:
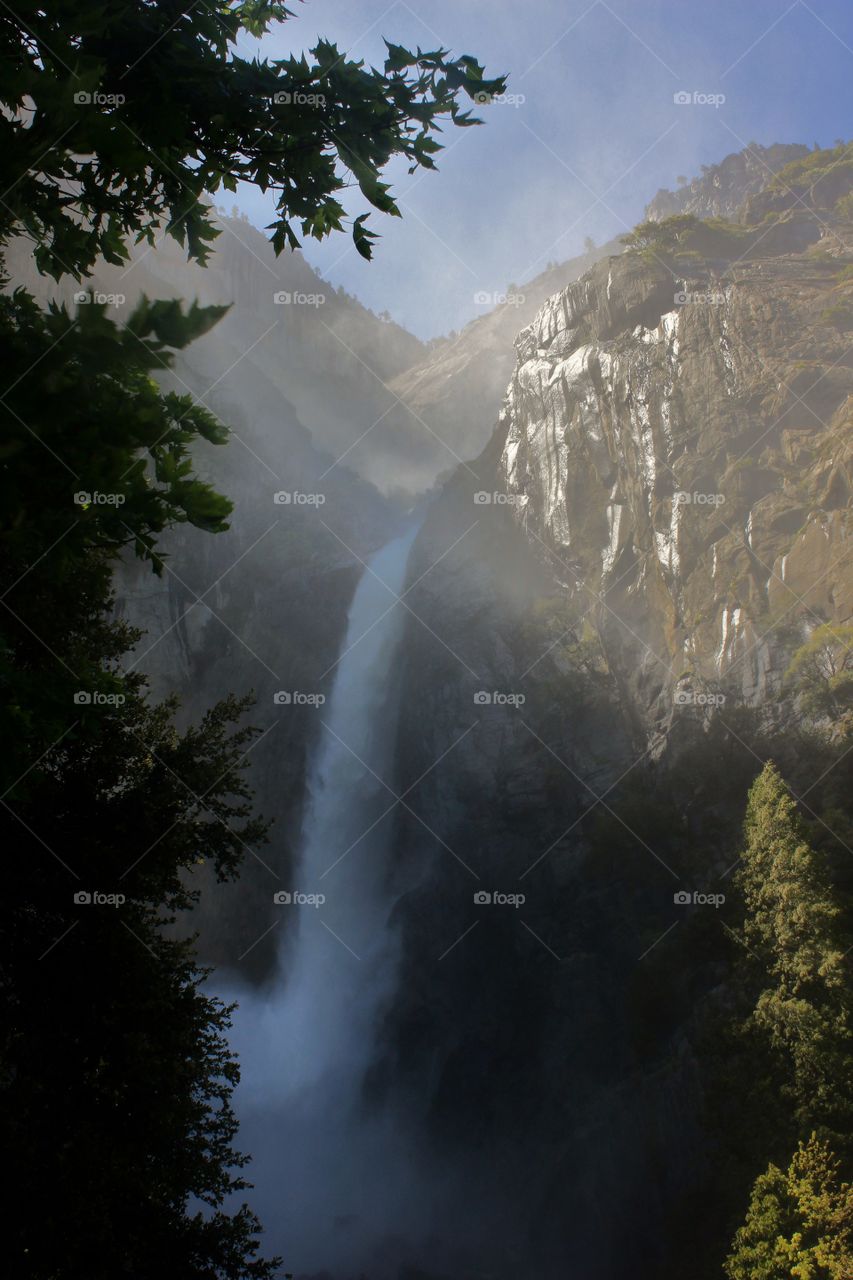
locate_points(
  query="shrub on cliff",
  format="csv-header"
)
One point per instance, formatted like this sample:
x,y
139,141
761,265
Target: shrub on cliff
x,y
821,673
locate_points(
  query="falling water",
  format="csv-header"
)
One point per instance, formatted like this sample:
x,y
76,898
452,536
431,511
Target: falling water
x,y
332,1181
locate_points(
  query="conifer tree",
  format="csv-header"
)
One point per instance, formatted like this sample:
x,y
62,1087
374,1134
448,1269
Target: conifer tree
x,y
799,1222
795,938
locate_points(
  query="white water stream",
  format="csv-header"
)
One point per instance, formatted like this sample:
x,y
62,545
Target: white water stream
x,y
332,1179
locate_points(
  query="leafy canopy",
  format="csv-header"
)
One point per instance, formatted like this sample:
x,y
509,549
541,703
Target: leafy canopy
x,y
821,671
124,115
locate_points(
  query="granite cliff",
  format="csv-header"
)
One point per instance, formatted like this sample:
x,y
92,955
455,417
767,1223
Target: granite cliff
x,y
721,190
681,443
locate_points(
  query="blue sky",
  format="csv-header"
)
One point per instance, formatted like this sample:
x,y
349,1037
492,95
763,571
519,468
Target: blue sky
x,y
595,134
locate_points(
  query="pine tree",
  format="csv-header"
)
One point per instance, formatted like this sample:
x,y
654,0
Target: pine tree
x,y
799,1223
794,935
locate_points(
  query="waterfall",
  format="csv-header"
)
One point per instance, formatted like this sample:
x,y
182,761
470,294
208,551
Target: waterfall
x,y
331,1180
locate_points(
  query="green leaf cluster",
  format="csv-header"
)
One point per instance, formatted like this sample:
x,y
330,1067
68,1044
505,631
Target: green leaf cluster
x,y
124,117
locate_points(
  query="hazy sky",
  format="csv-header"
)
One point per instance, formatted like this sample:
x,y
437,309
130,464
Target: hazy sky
x,y
594,134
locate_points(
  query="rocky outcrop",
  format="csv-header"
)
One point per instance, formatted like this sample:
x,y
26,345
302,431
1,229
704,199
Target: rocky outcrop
x,y
679,443
455,389
722,189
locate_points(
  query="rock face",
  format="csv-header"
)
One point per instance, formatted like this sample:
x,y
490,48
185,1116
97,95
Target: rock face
x,y
682,445
722,189
455,389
